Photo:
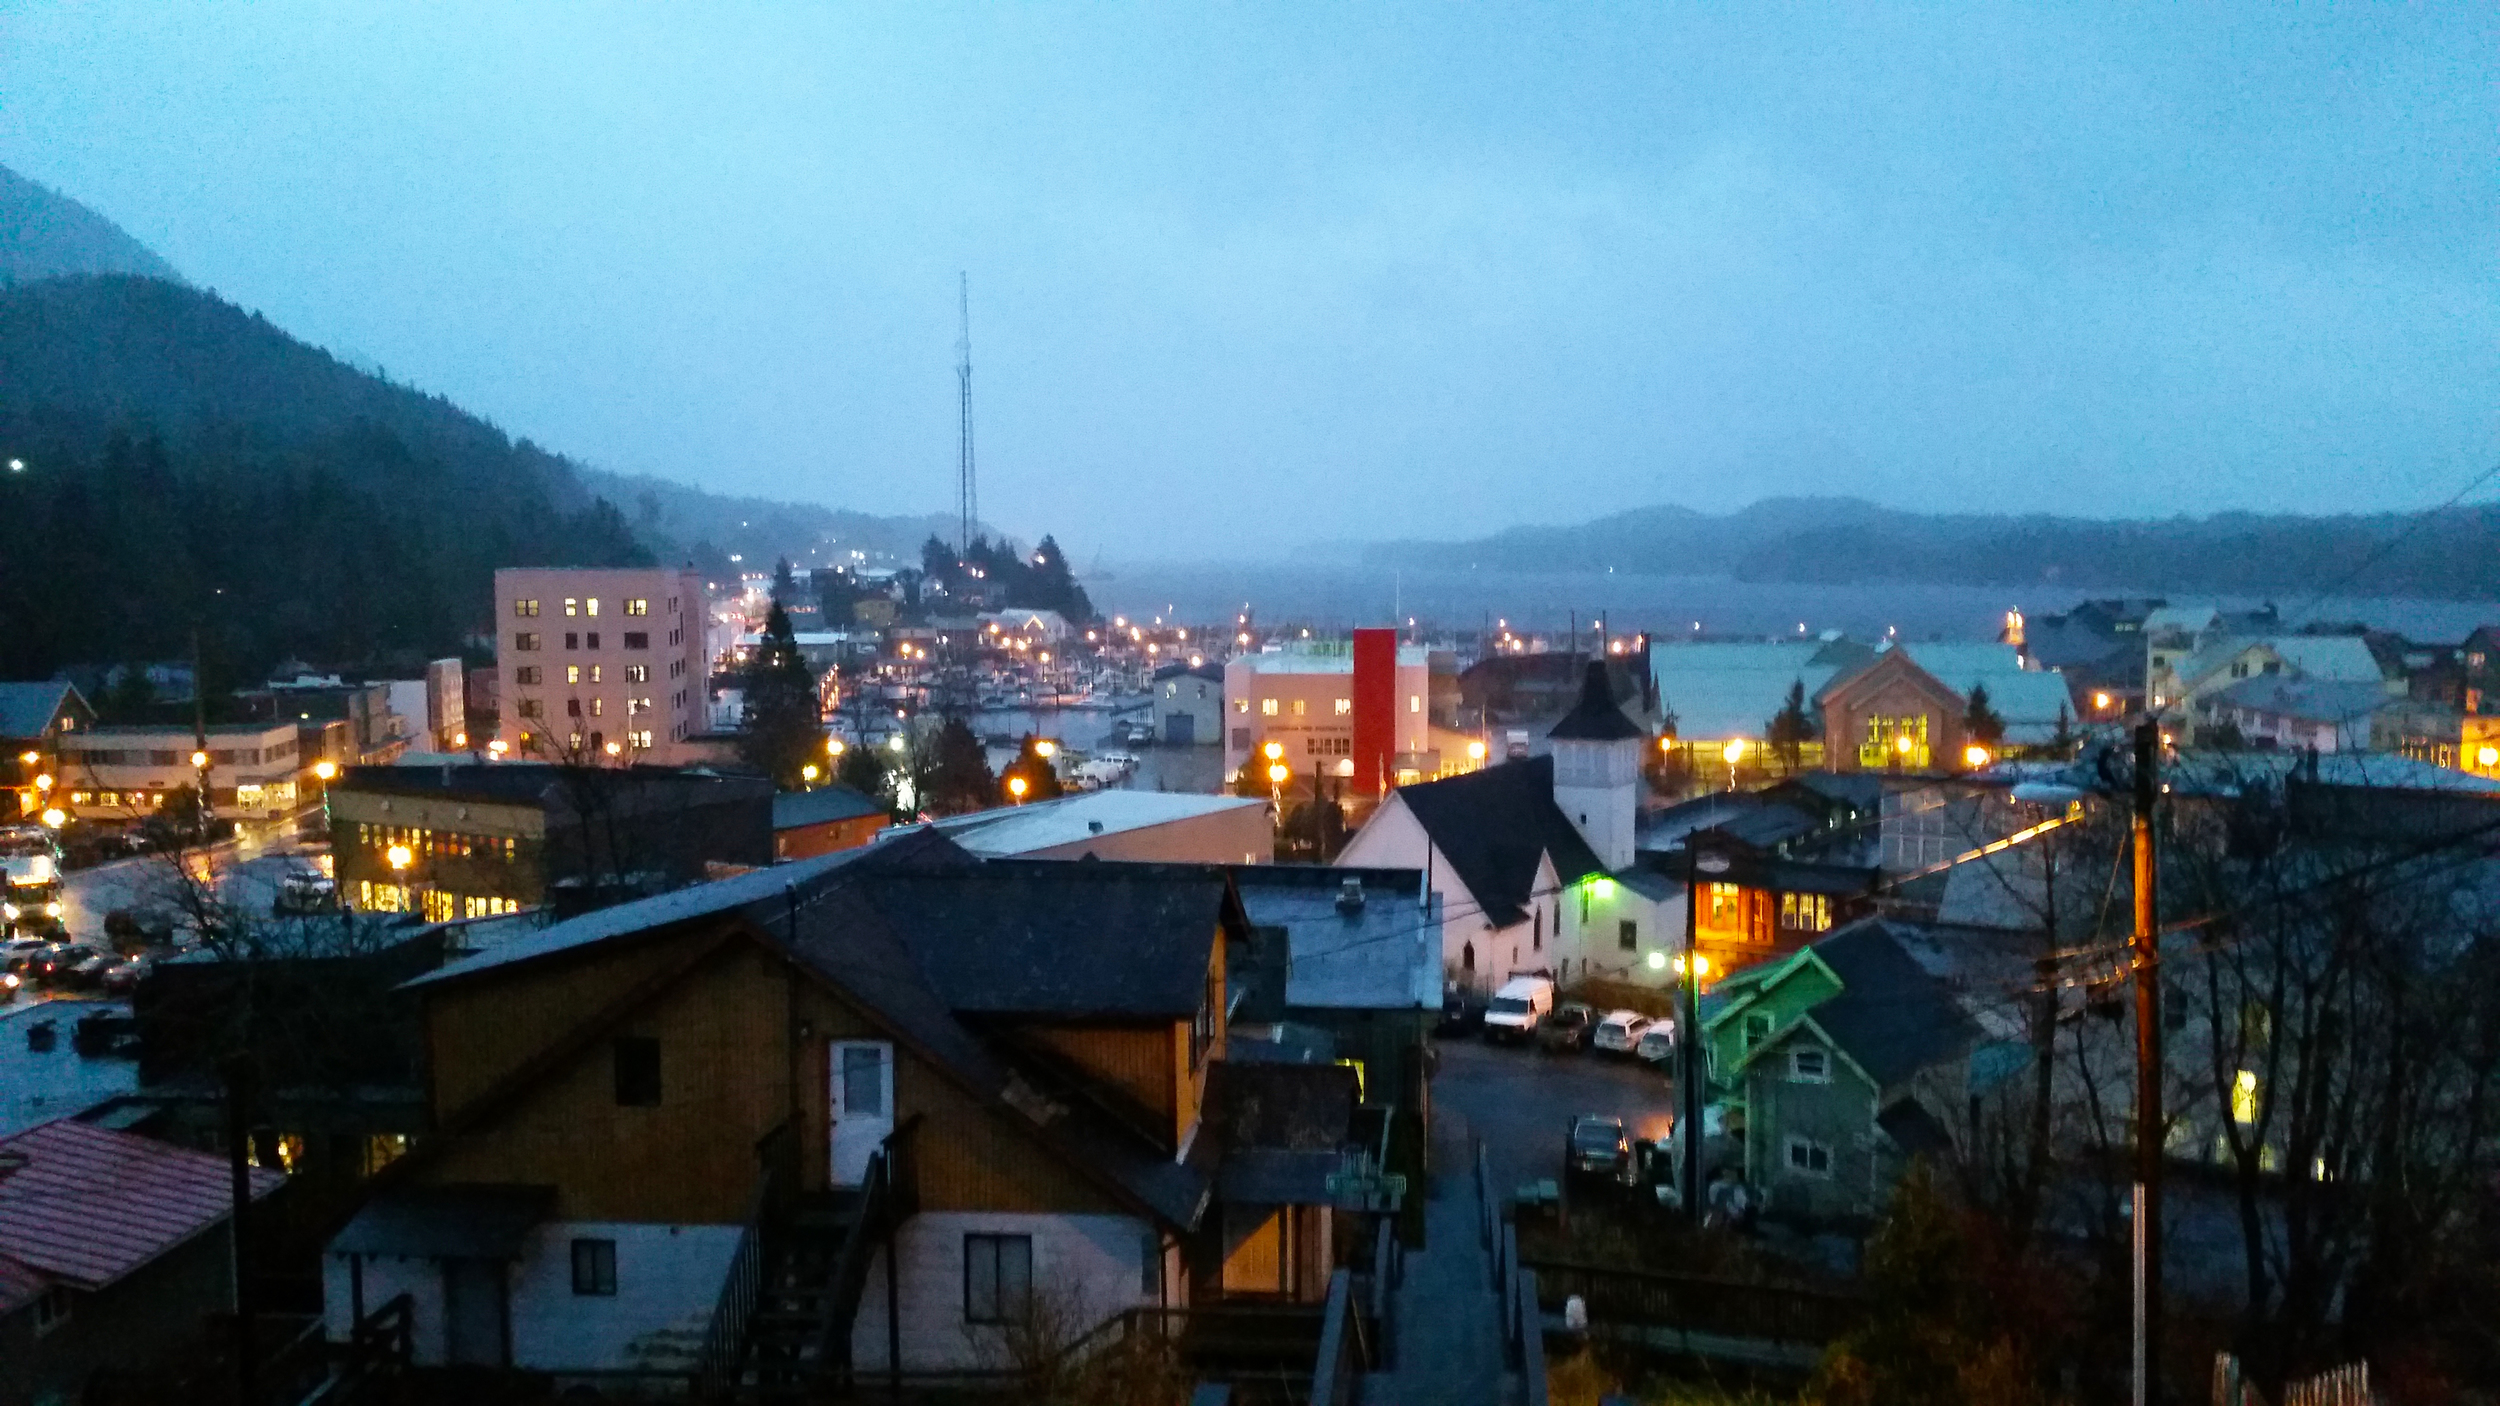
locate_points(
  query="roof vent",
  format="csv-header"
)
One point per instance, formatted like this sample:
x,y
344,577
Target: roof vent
x,y
1093,827
1350,896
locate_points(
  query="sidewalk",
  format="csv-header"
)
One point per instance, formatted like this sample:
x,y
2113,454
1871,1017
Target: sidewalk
x,y
1448,1333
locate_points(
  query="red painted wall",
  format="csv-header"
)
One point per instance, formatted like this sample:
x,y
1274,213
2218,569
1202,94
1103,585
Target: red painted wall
x,y
1375,710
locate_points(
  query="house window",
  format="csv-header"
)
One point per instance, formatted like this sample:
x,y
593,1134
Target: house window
x,y
1628,935
640,739
591,606
525,609
595,672
51,1309
527,676
572,673
1809,1066
637,1071
1414,702
634,639
572,640
526,639
572,606
1726,900
1892,742
998,1278
637,605
1344,706
1301,707
1757,1030
1806,912
1808,1157
1536,938
1241,705
863,1080
532,708
594,639
572,707
594,1267
598,707
1267,707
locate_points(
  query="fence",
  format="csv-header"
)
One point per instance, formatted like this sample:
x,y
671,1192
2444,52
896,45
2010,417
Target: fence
x,y
2348,1385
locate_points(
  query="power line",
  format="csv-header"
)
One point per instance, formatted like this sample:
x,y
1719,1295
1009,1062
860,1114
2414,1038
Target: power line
x,y
2420,520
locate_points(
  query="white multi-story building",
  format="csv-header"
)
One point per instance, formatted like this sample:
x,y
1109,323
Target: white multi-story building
x,y
597,662
1302,696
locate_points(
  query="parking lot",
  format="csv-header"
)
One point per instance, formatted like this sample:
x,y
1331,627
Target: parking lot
x,y
1521,1101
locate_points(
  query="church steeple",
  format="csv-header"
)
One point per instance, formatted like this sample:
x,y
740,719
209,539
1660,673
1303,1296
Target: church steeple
x,y
1597,768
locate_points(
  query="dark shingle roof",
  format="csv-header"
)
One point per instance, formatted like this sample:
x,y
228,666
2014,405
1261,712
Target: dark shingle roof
x,y
821,806
1596,717
1058,939
1493,824
1891,1017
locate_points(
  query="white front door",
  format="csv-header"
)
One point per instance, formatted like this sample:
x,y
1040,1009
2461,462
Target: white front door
x,y
862,1105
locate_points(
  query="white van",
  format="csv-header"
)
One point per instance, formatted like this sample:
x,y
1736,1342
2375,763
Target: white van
x,y
1516,1008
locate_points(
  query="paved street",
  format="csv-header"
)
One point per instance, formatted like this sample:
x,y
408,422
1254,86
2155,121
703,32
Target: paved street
x,y
1521,1101
249,869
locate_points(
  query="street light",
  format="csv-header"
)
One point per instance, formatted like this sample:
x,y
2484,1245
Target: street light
x,y
199,761
807,773
1016,788
399,857
497,747
44,782
55,817
326,769
1975,756
1045,748
834,747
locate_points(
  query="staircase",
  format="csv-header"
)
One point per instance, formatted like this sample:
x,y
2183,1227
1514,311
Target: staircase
x,y
799,1334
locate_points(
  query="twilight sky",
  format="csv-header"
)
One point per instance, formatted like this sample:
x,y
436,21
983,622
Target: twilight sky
x,y
1282,273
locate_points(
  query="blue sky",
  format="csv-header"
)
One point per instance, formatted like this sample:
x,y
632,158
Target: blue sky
x,y
1254,274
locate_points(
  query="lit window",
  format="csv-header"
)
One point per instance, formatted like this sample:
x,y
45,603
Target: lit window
x,y
594,673
572,673
1414,702
1344,706
2244,1098
637,673
1241,705
525,608
1267,707
598,707
636,605
1812,1158
1301,706
591,606
572,606
1809,1066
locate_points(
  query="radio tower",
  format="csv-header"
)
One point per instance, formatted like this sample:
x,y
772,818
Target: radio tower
x,y
967,496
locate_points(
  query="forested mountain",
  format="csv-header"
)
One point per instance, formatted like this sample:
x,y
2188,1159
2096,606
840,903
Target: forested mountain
x,y
44,234
2452,553
185,464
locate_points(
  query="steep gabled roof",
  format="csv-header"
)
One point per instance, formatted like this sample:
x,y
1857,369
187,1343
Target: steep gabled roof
x,y
1890,1017
1494,825
26,709
1596,717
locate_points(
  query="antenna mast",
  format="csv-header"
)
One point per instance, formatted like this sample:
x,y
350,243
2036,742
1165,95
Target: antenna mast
x,y
967,496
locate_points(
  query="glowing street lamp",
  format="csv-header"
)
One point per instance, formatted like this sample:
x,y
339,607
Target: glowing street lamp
x,y
807,773
1974,756
199,761
1016,787
835,746
399,857
55,817
497,747
325,769
44,782
616,749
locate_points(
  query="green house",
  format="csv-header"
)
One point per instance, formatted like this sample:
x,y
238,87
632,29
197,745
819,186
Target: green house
x,y
1843,1061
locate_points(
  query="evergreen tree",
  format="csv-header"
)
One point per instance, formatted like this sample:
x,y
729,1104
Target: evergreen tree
x,y
837,596
785,583
1041,779
864,771
937,561
1791,728
959,777
1981,723
784,726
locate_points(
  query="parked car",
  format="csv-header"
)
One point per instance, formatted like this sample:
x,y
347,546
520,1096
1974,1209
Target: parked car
x,y
87,973
1461,1014
124,976
1598,1149
1515,1010
1657,1044
1620,1032
1567,1028
305,892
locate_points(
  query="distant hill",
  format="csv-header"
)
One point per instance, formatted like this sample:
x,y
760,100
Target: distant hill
x,y
44,234
2453,554
188,465
708,526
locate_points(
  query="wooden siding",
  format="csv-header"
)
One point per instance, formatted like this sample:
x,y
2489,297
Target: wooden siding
x,y
1135,1059
481,1029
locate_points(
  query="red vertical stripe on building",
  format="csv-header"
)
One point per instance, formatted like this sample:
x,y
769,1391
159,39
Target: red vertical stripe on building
x,y
1375,710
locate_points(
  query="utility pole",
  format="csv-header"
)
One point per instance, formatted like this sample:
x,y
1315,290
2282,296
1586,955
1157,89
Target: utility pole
x,y
1688,1061
967,496
2145,957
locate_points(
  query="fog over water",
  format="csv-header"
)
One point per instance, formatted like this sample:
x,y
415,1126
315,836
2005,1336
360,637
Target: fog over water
x,y
1339,595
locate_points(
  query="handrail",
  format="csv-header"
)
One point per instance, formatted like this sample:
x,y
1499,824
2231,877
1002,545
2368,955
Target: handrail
x,y
850,1265
1531,1339
1340,1345
723,1352
1384,1283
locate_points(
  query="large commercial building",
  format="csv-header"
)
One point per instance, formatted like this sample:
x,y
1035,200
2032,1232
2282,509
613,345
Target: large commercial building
x,y
594,660
256,771
1354,709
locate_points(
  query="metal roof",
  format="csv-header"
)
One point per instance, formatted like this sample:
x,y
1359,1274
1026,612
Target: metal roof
x,y
89,1205
792,809
1383,955
1007,831
1732,689
26,709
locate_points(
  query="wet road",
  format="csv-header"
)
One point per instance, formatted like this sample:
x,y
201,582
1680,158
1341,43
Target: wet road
x,y
1521,1101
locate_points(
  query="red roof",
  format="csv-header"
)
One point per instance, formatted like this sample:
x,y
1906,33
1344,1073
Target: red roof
x,y
88,1205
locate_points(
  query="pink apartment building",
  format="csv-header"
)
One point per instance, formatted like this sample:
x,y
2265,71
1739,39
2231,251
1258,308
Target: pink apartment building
x,y
589,660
